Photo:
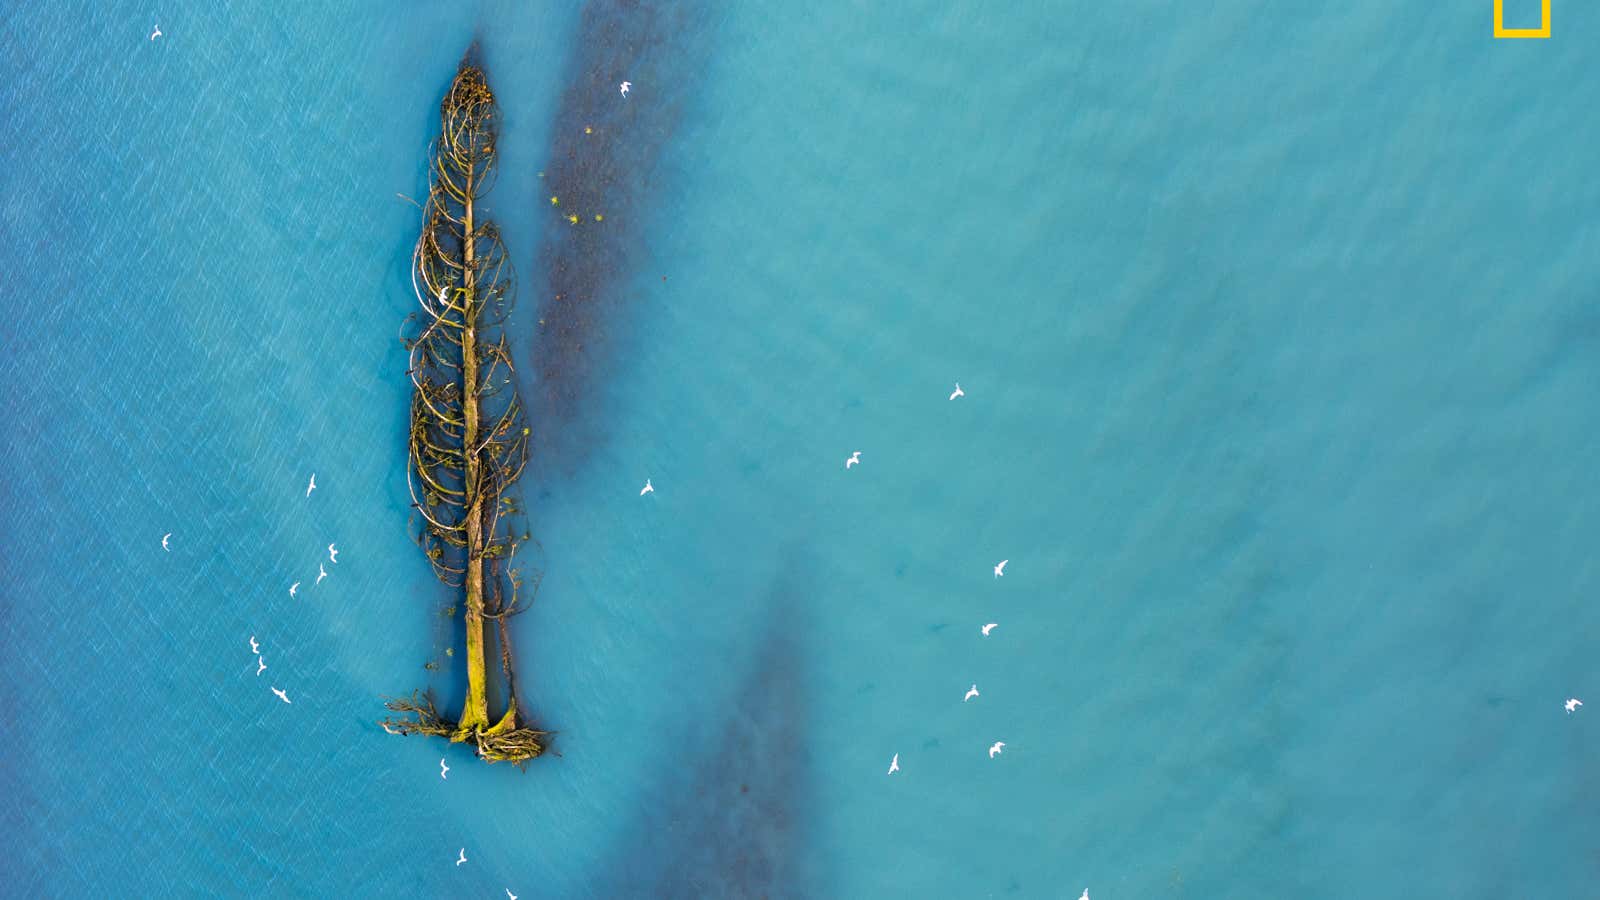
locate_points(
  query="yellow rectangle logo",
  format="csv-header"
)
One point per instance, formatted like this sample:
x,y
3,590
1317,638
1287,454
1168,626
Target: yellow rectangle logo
x,y
1501,31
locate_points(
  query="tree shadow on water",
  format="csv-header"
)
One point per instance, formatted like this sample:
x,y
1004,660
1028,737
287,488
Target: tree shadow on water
x,y
604,168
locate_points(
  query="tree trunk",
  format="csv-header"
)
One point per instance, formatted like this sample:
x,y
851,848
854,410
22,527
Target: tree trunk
x,y
476,713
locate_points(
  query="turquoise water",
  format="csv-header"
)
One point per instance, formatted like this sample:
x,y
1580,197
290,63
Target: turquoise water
x,y
1278,334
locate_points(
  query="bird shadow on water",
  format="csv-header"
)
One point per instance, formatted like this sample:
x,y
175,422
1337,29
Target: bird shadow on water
x,y
736,819
604,160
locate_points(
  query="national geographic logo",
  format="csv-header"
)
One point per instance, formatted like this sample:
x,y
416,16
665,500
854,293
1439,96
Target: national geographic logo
x,y
1501,31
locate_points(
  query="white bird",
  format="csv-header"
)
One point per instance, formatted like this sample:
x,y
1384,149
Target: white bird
x,y
294,587
995,748
625,86
647,489
1085,894
1573,704
155,34
254,647
442,768
164,542
990,627
333,555
958,392
511,895
971,692
313,485
321,574
282,695
463,856
853,460
894,764
1000,569
261,666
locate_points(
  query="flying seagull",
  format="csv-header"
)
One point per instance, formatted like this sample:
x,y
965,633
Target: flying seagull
x,y
995,748
155,34
321,574
164,542
511,895
894,764
333,555
971,692
254,647
958,392
261,666
1573,704
625,86
990,627
442,768
647,489
463,856
1000,569
282,695
1085,894
294,587
313,485
854,459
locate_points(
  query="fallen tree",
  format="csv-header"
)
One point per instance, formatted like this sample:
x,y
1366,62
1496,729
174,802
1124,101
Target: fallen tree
x,y
468,437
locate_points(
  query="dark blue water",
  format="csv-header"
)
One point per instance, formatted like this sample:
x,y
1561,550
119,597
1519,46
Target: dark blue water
x,y
1278,334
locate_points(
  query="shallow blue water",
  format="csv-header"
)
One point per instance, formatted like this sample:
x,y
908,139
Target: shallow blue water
x,y
1278,334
